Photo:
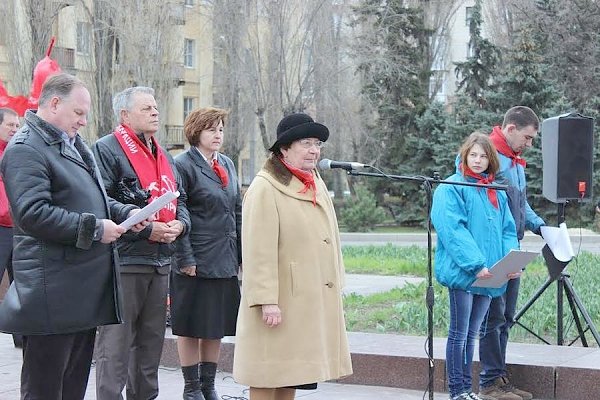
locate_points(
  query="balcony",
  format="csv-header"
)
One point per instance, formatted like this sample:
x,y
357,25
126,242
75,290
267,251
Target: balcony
x,y
65,57
175,139
176,72
176,11
57,5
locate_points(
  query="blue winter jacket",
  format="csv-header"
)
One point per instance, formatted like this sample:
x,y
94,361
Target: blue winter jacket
x,y
471,234
514,177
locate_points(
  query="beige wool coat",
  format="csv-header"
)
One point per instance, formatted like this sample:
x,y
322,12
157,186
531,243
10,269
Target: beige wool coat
x,y
292,257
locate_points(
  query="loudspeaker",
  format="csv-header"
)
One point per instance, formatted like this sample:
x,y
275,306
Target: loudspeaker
x,y
567,156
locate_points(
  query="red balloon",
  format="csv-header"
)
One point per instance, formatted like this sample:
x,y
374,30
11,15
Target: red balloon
x,y
43,70
17,103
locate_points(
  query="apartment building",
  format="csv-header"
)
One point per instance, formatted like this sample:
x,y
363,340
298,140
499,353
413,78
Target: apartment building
x,y
452,38
188,63
188,69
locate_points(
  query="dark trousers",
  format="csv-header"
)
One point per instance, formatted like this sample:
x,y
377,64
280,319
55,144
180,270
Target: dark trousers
x,y
129,353
56,367
6,245
494,334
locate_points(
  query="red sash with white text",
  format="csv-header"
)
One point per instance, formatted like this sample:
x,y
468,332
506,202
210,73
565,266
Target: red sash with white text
x,y
155,174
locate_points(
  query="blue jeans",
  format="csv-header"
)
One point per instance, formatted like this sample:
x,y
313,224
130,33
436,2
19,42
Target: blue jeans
x,y
467,311
494,335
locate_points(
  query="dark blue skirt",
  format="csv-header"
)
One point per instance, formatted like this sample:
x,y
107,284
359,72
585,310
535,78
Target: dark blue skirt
x,y
204,308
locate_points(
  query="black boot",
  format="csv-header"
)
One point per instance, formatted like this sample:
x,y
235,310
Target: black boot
x,y
208,370
191,389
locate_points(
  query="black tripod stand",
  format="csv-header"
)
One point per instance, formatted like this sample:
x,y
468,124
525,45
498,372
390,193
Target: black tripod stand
x,y
427,184
564,288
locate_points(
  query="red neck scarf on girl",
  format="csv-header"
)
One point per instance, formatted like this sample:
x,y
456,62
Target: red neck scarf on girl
x,y
155,174
481,179
307,178
499,141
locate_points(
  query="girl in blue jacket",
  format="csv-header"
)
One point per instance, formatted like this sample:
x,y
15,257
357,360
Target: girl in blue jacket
x,y
475,229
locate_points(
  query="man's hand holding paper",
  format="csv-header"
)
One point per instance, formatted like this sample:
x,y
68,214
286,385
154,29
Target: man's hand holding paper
x,y
143,224
147,213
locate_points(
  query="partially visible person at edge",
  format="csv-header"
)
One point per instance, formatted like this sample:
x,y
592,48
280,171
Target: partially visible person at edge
x,y
519,129
134,166
65,265
205,292
291,332
475,229
9,124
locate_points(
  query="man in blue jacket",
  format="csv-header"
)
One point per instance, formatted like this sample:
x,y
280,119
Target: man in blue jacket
x,y
519,129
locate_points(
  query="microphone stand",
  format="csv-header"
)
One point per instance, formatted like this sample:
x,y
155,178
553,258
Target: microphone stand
x,y
427,184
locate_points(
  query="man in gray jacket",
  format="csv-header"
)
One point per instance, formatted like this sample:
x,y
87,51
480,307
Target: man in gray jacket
x,y
65,267
134,167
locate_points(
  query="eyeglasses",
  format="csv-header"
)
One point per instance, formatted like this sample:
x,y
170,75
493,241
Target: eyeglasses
x,y
307,143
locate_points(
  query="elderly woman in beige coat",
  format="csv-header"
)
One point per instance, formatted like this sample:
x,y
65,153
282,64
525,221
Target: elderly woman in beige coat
x,y
290,332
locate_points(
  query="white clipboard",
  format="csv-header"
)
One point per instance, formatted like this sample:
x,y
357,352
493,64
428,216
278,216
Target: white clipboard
x,y
514,261
150,209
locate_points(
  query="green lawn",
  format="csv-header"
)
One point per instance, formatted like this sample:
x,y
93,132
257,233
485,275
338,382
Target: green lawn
x,y
404,311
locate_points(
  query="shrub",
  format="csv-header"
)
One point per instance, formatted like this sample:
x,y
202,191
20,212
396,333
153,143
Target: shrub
x,y
361,214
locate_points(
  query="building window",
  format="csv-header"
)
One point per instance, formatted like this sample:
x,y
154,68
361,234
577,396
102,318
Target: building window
x,y
84,34
439,47
437,86
189,3
188,106
468,15
189,53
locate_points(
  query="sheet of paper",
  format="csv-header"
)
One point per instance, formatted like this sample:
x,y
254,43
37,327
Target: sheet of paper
x,y
559,241
150,209
514,261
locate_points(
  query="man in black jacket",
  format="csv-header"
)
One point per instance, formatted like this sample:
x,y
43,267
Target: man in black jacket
x,y
65,267
132,162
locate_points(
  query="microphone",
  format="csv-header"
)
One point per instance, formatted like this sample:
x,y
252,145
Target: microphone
x,y
348,166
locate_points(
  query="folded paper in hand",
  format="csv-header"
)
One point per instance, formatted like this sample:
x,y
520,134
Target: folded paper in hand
x,y
149,210
513,262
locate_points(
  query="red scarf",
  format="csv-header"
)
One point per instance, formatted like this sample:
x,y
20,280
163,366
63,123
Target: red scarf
x,y
221,172
307,178
499,141
155,174
5,218
481,179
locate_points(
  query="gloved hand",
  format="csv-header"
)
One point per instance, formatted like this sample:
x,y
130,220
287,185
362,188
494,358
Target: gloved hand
x,y
538,230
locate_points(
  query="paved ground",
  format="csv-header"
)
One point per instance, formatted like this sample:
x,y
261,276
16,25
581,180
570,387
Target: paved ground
x,y
370,284
581,239
171,381
171,384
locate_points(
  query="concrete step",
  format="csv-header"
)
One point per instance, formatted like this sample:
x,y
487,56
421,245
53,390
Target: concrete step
x,y
550,372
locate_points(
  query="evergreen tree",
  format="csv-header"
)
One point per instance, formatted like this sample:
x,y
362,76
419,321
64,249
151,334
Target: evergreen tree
x,y
443,145
570,30
476,73
525,82
362,214
394,67
521,80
